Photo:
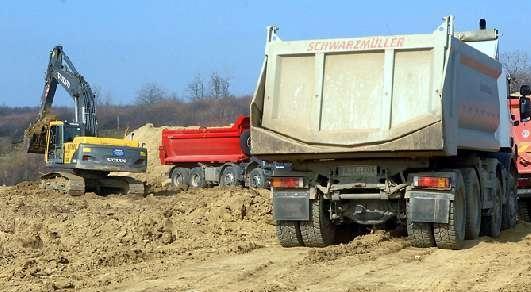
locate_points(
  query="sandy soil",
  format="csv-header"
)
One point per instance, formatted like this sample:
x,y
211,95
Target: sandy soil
x,y
222,240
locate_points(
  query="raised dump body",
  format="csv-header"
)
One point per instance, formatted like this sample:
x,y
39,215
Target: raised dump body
x,y
423,94
407,130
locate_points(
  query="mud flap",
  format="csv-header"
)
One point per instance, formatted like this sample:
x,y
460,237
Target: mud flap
x,y
429,206
292,205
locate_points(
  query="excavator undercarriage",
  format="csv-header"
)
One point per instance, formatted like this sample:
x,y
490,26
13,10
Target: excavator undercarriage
x,y
76,183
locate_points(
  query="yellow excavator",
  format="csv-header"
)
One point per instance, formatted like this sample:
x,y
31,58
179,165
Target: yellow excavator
x,y
80,161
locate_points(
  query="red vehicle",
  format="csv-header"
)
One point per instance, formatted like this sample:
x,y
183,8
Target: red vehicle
x,y
212,155
522,139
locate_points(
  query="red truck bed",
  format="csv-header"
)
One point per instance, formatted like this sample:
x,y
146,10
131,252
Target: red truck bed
x,y
206,144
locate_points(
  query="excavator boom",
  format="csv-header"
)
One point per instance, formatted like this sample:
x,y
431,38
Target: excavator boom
x,y
61,71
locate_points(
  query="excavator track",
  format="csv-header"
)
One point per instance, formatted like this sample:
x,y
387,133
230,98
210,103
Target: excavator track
x,y
64,182
120,184
76,185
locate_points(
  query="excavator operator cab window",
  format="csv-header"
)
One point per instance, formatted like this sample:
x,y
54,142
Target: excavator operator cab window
x,y
70,132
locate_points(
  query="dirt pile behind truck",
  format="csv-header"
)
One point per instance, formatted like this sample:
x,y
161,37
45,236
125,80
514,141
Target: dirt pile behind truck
x,y
156,174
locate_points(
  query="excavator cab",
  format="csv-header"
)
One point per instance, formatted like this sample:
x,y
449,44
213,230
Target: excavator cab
x,y
59,147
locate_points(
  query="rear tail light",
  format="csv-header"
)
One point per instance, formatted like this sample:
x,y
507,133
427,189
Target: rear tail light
x,y
432,182
287,182
523,182
86,157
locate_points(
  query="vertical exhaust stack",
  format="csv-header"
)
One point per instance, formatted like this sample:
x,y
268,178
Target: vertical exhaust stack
x,y
482,24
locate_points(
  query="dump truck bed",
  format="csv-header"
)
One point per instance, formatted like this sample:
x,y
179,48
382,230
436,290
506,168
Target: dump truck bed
x,y
412,95
204,144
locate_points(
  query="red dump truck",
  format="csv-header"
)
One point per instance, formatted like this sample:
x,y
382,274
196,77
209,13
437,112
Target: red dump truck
x,y
204,156
522,139
411,131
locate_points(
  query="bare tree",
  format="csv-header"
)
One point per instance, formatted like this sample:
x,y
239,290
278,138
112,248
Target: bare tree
x,y
516,62
196,88
102,98
219,86
150,94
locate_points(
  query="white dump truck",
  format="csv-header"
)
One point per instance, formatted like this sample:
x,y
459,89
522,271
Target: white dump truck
x,y
405,130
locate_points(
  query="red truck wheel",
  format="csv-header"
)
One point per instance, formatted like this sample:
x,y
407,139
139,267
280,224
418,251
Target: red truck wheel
x,y
180,177
229,177
257,178
197,178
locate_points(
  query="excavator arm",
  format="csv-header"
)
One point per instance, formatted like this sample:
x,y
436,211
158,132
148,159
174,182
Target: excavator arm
x,y
62,71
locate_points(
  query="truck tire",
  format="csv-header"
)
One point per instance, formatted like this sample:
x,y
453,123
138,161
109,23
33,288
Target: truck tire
x,y
257,178
319,231
473,208
289,233
229,177
245,142
451,235
197,178
180,177
492,224
420,234
523,211
509,209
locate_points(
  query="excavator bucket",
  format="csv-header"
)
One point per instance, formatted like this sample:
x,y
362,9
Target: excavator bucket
x,y
35,134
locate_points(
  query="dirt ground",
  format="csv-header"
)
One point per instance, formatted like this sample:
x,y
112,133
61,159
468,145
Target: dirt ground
x,y
222,240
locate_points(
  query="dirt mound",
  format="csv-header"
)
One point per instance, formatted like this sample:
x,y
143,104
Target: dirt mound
x,y
51,241
222,239
150,136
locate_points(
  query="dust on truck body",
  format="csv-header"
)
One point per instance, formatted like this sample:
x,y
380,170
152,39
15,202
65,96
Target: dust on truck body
x,y
409,129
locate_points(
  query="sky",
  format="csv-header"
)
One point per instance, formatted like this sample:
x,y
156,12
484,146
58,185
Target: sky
x,y
121,45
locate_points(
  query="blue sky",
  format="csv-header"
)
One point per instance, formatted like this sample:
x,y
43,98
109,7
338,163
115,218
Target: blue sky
x,y
121,45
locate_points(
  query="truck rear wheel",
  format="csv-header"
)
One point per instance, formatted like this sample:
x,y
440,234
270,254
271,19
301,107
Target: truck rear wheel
x,y
319,231
197,178
420,234
180,177
473,209
451,235
492,223
289,233
229,177
523,211
509,209
257,178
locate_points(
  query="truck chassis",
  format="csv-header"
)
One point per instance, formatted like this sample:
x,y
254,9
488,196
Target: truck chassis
x,y
478,197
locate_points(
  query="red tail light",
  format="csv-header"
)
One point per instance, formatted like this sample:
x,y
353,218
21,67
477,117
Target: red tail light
x,y
287,182
523,182
86,157
432,182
